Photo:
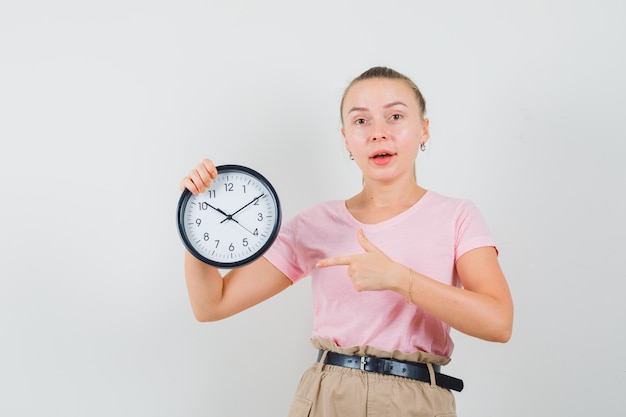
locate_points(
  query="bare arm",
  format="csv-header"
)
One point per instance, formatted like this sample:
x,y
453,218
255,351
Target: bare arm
x,y
482,308
212,296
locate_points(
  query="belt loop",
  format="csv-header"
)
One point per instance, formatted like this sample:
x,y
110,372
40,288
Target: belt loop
x,y
320,364
431,373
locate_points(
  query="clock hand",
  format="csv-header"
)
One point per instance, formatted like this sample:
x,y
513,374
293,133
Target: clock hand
x,y
219,211
244,227
230,217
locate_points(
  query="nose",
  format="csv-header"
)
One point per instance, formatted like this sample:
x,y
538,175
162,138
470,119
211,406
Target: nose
x,y
378,131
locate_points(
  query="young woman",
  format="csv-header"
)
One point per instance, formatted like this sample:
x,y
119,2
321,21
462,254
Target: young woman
x,y
393,268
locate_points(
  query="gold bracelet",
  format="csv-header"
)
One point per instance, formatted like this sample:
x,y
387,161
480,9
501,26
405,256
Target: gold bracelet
x,y
410,298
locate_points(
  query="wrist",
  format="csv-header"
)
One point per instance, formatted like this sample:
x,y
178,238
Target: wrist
x,y
404,278
409,298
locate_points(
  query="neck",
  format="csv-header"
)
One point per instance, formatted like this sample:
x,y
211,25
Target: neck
x,y
389,195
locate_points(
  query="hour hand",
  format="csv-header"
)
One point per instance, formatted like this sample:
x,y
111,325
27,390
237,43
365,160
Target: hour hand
x,y
219,210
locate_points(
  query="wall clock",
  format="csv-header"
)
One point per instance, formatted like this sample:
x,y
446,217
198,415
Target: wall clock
x,y
234,221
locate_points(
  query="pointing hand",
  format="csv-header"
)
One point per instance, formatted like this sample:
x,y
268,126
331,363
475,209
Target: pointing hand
x,y
370,270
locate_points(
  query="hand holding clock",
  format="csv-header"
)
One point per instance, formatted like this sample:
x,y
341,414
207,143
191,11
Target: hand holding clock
x,y
200,178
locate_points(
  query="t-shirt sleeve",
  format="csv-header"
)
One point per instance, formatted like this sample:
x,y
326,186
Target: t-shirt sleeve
x,y
471,230
284,254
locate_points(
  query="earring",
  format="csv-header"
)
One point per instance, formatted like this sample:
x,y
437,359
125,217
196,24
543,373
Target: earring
x,y
422,147
351,157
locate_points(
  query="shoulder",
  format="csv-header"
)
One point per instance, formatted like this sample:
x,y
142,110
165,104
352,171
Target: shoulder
x,y
459,213
445,204
328,209
318,215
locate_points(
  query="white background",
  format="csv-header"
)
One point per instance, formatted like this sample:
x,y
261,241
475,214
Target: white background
x,y
105,106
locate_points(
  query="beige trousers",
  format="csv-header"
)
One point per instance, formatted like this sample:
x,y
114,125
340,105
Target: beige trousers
x,y
333,391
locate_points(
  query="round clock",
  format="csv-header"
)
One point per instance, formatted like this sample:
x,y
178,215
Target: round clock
x,y
233,222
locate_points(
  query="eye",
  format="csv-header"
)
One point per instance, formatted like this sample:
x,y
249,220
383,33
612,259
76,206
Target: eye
x,y
359,121
396,117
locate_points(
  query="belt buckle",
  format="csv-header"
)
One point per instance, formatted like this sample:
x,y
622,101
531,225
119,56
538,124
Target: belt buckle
x,y
363,362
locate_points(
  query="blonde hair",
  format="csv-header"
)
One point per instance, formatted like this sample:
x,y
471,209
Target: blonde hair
x,y
387,73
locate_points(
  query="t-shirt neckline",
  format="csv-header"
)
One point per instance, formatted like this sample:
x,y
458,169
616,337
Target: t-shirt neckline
x,y
390,221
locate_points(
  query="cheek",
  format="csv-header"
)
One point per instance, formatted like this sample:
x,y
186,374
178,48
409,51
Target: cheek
x,y
351,139
356,147
410,142
355,136
410,135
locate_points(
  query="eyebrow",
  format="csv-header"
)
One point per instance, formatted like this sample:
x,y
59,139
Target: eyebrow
x,y
394,103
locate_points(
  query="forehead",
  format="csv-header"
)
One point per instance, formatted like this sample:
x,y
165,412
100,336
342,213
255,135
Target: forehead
x,y
379,92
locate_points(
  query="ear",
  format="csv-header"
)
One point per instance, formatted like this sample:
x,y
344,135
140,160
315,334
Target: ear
x,y
345,140
425,135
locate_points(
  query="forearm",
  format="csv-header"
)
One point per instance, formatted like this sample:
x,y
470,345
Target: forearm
x,y
487,317
478,315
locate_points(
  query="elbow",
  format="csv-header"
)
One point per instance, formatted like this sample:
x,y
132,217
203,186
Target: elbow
x,y
498,335
504,335
203,319
206,316
495,329
503,332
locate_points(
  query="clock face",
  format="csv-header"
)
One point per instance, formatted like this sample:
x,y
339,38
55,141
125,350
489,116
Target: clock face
x,y
232,223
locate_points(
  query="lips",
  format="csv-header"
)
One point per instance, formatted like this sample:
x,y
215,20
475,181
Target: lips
x,y
382,154
381,157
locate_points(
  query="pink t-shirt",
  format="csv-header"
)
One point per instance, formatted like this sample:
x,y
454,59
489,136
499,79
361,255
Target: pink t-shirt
x,y
428,237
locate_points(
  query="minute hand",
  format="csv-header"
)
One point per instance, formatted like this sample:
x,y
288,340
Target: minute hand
x,y
231,216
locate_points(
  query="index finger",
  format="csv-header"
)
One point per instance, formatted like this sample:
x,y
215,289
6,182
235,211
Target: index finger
x,y
334,261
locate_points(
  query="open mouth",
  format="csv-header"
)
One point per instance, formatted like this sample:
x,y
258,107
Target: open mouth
x,y
382,155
